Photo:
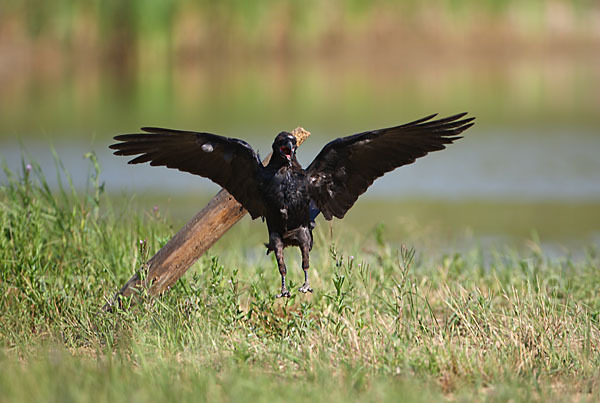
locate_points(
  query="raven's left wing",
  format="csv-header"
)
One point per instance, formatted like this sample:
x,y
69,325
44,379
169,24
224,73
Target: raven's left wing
x,y
347,166
229,162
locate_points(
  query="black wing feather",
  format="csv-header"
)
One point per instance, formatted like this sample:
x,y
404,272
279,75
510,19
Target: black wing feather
x,y
229,162
347,166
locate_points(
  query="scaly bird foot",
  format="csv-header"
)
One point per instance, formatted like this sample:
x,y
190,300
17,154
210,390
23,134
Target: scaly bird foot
x,y
305,288
284,293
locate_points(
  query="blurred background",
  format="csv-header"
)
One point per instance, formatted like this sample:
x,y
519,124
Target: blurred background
x,y
75,73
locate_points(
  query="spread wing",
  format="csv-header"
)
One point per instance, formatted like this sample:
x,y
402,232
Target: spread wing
x,y
229,162
347,166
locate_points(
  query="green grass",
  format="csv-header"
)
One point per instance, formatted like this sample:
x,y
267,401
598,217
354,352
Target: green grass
x,y
382,324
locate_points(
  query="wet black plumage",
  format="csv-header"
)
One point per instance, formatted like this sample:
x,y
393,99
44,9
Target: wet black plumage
x,y
285,195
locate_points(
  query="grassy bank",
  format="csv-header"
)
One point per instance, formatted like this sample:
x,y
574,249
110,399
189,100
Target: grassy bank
x,y
383,324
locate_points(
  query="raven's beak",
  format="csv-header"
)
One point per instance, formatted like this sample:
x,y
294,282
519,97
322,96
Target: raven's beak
x,y
287,149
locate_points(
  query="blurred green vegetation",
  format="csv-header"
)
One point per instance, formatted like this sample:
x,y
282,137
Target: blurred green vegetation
x,y
437,224
252,21
257,100
77,67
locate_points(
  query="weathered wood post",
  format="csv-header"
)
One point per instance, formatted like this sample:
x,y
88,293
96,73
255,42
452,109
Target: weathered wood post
x,y
191,242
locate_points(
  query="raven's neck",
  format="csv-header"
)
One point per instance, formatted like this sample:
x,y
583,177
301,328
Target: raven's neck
x,y
277,162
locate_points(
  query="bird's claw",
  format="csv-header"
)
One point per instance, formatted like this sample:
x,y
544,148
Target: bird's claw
x,y
284,293
305,288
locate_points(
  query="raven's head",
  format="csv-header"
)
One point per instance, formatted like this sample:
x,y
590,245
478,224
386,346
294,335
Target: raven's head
x,y
284,146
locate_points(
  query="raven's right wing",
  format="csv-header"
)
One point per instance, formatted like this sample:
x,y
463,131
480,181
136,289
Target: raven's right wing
x,y
347,166
229,162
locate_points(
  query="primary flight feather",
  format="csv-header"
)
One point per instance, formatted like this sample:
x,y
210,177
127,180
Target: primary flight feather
x,y
282,192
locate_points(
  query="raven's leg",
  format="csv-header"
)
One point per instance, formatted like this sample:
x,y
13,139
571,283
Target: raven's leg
x,y
305,250
278,247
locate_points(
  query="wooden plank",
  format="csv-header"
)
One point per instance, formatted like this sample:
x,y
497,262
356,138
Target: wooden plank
x,y
190,242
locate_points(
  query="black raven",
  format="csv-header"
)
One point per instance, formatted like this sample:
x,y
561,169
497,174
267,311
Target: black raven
x,y
283,193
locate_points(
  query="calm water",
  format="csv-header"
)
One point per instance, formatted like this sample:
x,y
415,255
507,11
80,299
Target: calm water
x,y
537,136
548,165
